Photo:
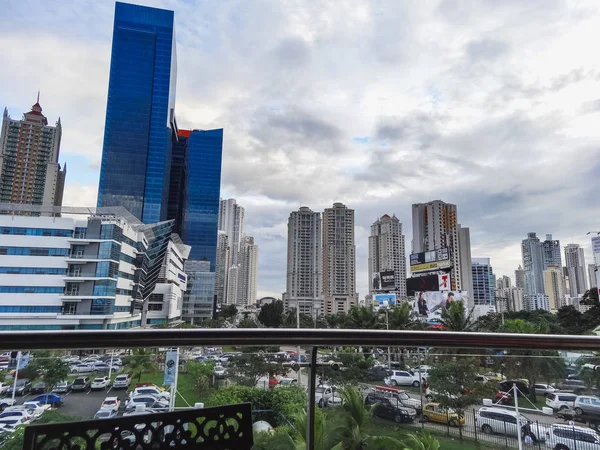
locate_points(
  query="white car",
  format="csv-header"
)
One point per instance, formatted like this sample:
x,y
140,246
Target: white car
x,y
4,388
571,437
544,389
14,413
70,359
82,368
151,390
6,402
99,383
112,403
10,424
105,414
149,401
36,408
323,393
503,421
560,400
220,372
404,378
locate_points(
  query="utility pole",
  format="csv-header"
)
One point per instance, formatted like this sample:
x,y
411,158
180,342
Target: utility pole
x,y
298,349
16,376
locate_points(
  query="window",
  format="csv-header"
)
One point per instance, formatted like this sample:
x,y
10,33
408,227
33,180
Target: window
x,y
31,289
36,232
29,309
33,270
33,251
105,288
155,307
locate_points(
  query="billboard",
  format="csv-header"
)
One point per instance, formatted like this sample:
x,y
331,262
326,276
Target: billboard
x,y
430,260
424,283
383,281
170,368
384,300
428,305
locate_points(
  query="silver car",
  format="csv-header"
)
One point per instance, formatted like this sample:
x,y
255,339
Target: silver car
x,y
584,404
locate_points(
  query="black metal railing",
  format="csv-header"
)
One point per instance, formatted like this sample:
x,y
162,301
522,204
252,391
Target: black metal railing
x,y
222,428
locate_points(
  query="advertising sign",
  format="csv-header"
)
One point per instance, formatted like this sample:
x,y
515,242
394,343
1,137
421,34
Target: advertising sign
x,y
388,280
439,265
385,300
430,260
423,283
428,305
444,282
596,244
170,368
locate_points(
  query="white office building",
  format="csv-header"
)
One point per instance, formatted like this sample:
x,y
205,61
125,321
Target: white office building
x,y
247,271
104,270
536,301
575,268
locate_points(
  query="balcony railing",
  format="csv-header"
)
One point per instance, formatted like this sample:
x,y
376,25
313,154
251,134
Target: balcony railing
x,y
168,430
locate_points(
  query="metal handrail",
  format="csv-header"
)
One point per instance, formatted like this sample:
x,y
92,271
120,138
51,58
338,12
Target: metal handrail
x,y
88,339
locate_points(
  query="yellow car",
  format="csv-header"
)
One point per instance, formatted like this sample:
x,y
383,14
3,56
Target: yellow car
x,y
434,412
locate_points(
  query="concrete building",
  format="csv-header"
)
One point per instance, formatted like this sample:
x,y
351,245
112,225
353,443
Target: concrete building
x,y
102,270
233,285
520,277
592,275
231,221
503,282
387,253
221,267
575,266
536,301
435,226
484,282
304,276
554,286
339,259
198,301
247,272
533,265
509,299
29,168
551,252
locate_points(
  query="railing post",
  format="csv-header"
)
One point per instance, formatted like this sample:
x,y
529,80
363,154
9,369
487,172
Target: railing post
x,y
474,423
310,415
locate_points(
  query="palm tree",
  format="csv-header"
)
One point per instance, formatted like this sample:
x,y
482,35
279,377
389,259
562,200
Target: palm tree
x,y
140,361
457,318
363,318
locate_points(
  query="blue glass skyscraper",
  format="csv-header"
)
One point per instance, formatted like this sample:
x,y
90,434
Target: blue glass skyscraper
x,y
140,119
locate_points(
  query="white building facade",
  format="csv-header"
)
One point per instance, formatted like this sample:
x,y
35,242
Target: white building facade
x,y
387,252
575,268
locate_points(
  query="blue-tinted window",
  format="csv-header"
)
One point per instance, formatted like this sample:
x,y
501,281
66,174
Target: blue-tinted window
x,y
29,309
34,251
31,290
91,326
102,306
105,288
33,270
109,250
107,269
29,327
36,231
122,308
141,95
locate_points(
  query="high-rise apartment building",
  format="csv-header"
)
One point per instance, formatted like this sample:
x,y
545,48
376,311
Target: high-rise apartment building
x,y
231,221
247,272
435,226
503,282
575,267
520,277
551,252
221,270
140,117
554,286
387,253
304,277
592,275
536,301
29,168
484,282
533,264
339,259
509,299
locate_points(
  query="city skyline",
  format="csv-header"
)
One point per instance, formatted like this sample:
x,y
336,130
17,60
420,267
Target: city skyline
x,y
371,134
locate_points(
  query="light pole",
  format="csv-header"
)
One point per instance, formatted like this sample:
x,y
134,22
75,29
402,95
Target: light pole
x,y
298,349
16,376
516,394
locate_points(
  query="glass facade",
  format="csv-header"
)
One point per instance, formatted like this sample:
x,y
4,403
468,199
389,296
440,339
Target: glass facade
x,y
201,206
136,154
484,282
198,300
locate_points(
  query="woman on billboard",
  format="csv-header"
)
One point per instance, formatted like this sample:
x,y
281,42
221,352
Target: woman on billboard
x,y
422,305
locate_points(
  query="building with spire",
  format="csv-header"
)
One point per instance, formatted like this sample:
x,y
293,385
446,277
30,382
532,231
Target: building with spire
x,y
29,168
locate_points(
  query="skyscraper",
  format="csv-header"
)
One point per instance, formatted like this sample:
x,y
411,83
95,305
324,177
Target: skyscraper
x,y
520,278
387,253
247,271
29,168
140,118
304,277
551,252
575,266
554,285
533,265
339,259
221,269
592,275
483,282
231,221
435,226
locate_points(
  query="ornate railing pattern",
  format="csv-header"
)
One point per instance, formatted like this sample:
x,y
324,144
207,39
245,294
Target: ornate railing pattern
x,y
222,428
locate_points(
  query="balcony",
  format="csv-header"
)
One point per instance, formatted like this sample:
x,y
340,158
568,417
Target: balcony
x,y
222,426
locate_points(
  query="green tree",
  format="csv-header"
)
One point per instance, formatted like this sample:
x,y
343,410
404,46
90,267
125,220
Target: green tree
x,y
571,320
228,311
201,374
54,370
139,362
353,367
363,318
457,318
402,317
248,368
271,314
590,297
454,384
247,322
290,320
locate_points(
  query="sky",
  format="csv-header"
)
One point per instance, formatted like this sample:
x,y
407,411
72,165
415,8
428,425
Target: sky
x,y
493,106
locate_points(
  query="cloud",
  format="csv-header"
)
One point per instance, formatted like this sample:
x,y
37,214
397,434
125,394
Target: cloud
x,y
489,105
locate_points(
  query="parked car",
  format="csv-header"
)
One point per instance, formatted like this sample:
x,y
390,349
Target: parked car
x,y
111,403
505,422
63,387
570,437
403,378
151,390
494,376
18,412
99,383
122,381
23,386
82,368
576,386
544,389
220,372
50,399
586,404
507,385
105,414
401,397
434,412
101,367
4,388
377,373
390,408
560,400
81,384
6,402
287,382
10,424
481,379
149,402
323,393
38,388
36,408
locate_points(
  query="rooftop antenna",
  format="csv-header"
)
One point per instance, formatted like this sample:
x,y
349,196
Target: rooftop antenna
x,y
38,97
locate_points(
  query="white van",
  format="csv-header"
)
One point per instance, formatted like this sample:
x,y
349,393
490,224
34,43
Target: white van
x,y
505,422
560,400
